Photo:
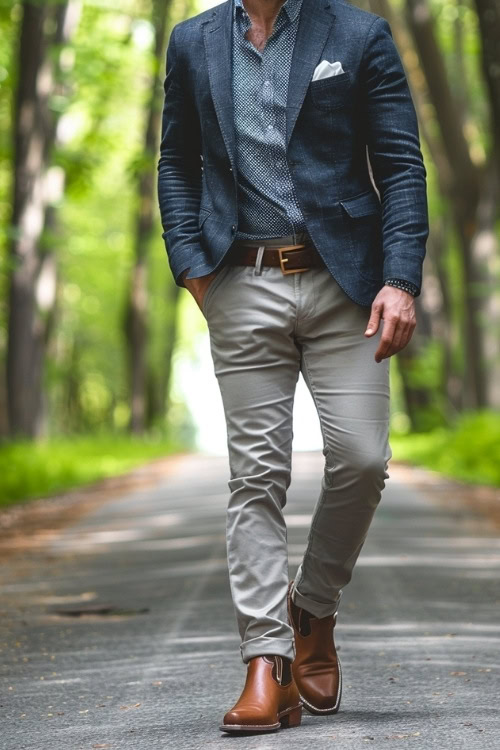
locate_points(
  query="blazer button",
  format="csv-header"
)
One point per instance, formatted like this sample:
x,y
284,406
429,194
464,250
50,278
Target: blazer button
x,y
233,229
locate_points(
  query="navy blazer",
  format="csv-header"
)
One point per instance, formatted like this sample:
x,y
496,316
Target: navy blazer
x,y
365,234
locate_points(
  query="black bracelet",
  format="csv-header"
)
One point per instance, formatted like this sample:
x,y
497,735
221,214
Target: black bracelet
x,y
406,286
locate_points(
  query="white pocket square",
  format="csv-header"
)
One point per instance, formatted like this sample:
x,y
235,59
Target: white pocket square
x,y
326,69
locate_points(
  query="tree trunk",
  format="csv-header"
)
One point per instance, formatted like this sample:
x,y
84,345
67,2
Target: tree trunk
x,y
488,12
465,193
32,270
136,326
433,307
487,242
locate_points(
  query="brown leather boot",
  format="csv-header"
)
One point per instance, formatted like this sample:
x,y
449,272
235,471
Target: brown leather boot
x,y
316,667
269,700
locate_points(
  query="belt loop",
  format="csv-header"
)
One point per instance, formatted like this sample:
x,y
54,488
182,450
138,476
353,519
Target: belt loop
x,y
258,261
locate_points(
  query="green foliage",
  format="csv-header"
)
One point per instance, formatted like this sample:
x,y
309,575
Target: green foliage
x,y
30,470
105,85
470,452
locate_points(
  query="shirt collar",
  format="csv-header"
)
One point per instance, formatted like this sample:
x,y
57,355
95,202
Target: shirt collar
x,y
291,7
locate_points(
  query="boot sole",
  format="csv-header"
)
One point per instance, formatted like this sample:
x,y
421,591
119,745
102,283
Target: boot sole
x,y
287,719
325,711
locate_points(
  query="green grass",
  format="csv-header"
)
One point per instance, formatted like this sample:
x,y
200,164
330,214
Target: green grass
x,y
470,452
30,470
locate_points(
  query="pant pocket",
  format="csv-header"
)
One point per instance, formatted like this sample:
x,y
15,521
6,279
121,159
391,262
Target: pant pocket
x,y
222,273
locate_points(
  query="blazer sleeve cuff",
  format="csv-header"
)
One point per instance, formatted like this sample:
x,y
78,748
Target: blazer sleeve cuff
x,y
179,261
399,263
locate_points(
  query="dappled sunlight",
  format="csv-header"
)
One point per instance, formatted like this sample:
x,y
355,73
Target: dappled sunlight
x,y
202,639
297,520
180,543
423,628
456,542
404,560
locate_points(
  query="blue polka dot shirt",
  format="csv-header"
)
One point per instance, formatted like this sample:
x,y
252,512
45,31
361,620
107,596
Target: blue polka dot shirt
x,y
267,205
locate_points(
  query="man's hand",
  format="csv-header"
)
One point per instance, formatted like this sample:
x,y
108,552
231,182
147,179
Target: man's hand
x,y
198,286
397,309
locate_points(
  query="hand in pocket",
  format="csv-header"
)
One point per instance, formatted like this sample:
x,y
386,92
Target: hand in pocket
x,y
198,287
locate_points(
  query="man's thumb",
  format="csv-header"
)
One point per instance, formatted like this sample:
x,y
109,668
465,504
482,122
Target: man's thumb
x,y
373,323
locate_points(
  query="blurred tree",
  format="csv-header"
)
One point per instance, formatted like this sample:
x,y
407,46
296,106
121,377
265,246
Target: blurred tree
x,y
488,12
467,180
136,323
93,307
472,193
32,274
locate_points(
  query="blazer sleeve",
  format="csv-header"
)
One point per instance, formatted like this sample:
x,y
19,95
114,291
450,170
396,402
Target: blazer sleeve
x,y
179,170
392,138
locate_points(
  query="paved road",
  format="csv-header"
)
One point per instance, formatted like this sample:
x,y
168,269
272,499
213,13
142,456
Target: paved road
x,y
419,631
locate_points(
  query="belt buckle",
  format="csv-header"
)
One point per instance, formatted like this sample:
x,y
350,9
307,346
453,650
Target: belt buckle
x,y
288,249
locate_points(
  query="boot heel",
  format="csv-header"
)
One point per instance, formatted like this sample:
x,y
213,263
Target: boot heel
x,y
292,719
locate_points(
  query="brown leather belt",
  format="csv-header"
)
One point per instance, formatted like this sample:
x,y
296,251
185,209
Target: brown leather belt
x,y
290,258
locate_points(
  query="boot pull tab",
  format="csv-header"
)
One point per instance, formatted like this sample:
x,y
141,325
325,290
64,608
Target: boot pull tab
x,y
279,669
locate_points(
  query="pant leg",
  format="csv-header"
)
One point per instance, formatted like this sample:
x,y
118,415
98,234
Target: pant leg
x,y
351,393
251,320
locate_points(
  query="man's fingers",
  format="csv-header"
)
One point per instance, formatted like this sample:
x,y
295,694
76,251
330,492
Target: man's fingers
x,y
385,340
374,321
399,338
402,332
402,336
397,312
408,330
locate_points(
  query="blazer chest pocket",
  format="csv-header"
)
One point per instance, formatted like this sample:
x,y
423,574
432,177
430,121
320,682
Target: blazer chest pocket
x,y
330,93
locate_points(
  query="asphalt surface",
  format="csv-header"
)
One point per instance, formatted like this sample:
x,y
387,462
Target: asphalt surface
x,y
121,634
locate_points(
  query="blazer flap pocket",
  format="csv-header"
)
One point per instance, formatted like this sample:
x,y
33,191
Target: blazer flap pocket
x,y
362,205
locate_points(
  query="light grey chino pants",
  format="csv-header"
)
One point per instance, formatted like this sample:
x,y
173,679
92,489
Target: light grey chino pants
x,y
265,328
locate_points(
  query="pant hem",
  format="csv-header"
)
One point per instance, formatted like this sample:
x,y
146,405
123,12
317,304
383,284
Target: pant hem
x,y
318,609
268,647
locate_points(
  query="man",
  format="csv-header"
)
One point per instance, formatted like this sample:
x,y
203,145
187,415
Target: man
x,y
292,193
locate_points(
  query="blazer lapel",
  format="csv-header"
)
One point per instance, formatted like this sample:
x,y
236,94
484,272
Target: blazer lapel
x,y
316,18
315,21
217,37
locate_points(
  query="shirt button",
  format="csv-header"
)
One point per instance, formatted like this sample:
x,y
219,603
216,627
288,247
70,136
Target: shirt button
x,y
269,127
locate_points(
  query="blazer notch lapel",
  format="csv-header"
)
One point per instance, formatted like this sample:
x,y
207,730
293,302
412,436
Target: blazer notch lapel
x,y
315,23
217,38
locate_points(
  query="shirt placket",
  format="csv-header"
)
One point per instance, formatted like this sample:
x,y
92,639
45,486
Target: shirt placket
x,y
271,111
273,130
